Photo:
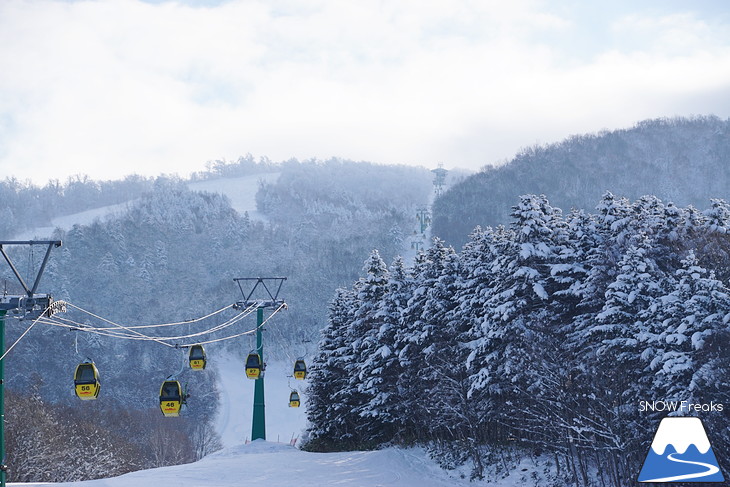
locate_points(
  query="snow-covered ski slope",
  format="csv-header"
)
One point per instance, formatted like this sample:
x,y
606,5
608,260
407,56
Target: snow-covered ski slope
x,y
241,192
276,465
66,222
235,413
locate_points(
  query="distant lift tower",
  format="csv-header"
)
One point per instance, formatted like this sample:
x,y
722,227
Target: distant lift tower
x,y
424,219
417,241
29,305
439,179
270,299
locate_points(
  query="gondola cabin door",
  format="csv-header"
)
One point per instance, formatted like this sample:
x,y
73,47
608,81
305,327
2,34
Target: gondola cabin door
x,y
86,381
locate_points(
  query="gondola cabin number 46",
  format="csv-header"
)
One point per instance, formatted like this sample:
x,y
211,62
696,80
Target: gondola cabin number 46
x,y
172,398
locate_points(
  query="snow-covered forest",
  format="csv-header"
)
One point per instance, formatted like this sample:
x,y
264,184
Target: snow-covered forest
x,y
538,339
170,253
684,160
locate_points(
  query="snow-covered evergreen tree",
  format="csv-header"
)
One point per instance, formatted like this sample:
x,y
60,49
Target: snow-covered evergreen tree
x,y
718,216
329,417
547,333
509,335
444,379
414,336
620,326
364,330
690,319
381,370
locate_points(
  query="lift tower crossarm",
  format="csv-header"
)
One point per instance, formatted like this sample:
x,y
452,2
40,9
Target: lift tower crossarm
x,y
273,297
51,243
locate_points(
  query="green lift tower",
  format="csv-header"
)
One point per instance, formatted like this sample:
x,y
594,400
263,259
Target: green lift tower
x,y
268,288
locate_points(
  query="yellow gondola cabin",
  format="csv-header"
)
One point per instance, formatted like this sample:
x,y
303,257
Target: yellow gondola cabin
x,y
253,366
197,358
294,400
300,369
86,381
171,398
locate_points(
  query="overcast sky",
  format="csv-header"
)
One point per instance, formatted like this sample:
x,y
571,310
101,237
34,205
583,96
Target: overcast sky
x,y
109,88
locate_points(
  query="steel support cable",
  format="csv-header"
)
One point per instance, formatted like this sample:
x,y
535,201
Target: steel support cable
x,y
214,329
249,332
68,322
24,333
194,320
225,324
108,331
119,326
140,336
104,331
132,330
116,333
131,334
160,325
97,331
281,306
185,322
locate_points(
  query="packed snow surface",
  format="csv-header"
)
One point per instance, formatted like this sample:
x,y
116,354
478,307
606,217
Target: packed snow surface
x,y
277,465
241,191
235,414
275,462
66,222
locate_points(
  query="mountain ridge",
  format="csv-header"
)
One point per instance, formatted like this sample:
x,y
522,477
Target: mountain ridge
x,y
682,160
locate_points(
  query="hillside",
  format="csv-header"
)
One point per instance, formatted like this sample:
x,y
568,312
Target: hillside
x,y
240,191
685,161
525,337
170,253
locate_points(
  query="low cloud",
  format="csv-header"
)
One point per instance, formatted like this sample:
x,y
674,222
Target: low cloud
x,y
121,86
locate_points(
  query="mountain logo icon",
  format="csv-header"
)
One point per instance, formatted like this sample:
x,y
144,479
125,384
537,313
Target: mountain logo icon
x,y
681,452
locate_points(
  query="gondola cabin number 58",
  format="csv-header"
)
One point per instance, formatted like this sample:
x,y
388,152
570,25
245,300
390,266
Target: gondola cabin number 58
x,y
86,381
